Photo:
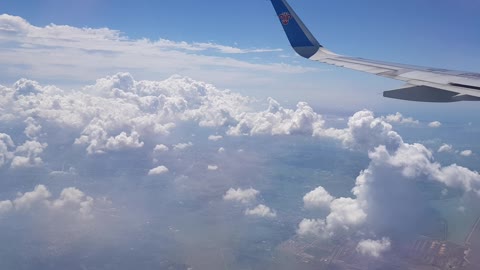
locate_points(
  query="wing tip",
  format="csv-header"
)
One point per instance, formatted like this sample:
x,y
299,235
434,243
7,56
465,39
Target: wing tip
x,y
300,38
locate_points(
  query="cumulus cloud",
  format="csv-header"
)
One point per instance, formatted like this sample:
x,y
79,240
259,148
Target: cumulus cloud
x,y
311,227
221,150
98,141
74,200
115,112
182,146
215,137
415,160
364,132
160,148
28,155
345,214
212,167
400,119
373,248
26,87
124,141
33,128
435,124
118,112
71,201
384,194
317,198
261,211
5,206
466,153
158,170
241,195
6,148
277,120
39,195
445,148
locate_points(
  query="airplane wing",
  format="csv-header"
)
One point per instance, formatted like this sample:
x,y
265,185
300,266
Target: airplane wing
x,y
422,83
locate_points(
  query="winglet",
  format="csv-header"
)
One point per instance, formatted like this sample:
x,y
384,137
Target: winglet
x,y
302,41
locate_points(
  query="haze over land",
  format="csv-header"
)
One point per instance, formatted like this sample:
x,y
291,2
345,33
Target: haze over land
x,y
126,167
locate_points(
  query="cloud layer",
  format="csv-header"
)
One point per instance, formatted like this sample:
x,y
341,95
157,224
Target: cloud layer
x,y
71,201
373,248
134,131
261,211
241,195
39,51
385,197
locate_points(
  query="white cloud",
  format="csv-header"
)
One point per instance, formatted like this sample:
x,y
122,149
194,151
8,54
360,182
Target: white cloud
x,y
6,145
435,124
222,48
215,137
74,200
311,227
71,201
212,167
92,51
24,87
160,148
38,196
241,195
27,155
466,153
102,112
387,150
345,214
261,211
277,120
124,141
445,148
5,206
381,190
221,150
317,198
364,132
374,248
117,111
182,146
158,170
415,161
400,119
71,171
33,128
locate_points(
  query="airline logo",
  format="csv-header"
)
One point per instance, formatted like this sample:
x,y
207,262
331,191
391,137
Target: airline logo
x,y
285,18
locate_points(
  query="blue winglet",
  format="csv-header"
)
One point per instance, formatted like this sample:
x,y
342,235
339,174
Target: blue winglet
x,y
302,41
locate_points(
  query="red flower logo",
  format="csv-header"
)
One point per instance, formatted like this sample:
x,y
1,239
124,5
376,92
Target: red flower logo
x,y
285,18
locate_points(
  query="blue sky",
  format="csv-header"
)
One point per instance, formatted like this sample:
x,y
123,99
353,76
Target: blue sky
x,y
404,28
